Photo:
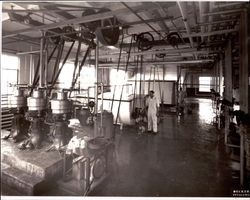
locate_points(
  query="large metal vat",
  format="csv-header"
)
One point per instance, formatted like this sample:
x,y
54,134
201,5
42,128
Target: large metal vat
x,y
61,105
18,100
37,102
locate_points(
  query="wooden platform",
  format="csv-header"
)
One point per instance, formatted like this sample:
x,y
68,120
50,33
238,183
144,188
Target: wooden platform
x,y
29,172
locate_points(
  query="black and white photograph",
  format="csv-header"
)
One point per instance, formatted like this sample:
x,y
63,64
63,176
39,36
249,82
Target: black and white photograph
x,y
131,99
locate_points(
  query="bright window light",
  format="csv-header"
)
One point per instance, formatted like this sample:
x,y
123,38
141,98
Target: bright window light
x,y
9,62
118,77
87,77
65,78
9,73
204,84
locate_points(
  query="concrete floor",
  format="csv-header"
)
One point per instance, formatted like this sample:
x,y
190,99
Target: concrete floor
x,y
187,158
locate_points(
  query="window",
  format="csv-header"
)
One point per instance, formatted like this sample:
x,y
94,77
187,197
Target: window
x,y
65,77
88,77
118,77
9,73
204,84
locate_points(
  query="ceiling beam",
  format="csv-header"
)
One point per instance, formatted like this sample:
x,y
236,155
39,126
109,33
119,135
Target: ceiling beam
x,y
223,5
158,62
136,14
37,10
219,32
183,9
84,19
168,51
217,22
223,12
70,5
160,12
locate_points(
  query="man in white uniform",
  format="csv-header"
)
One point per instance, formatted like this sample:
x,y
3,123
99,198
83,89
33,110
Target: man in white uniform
x,y
153,108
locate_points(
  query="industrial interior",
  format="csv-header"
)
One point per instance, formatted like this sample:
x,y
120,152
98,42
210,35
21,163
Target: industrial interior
x,y
146,99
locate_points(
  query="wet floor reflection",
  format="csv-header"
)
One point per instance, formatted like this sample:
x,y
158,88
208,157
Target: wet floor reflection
x,y
184,159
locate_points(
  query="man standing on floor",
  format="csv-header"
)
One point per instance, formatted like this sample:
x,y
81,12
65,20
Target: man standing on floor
x,y
153,109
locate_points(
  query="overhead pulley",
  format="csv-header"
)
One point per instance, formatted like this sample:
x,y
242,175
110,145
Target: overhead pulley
x,y
70,35
173,39
144,41
54,39
108,36
106,30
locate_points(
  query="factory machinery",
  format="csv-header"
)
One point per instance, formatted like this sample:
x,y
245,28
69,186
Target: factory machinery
x,y
41,119
18,105
43,123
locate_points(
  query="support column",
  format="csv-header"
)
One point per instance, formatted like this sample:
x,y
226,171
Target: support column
x,y
228,72
221,81
244,63
228,85
41,72
96,74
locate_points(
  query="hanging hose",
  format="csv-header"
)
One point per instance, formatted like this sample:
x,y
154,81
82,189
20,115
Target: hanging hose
x,y
76,63
58,58
126,69
50,57
80,69
118,66
59,71
37,70
37,76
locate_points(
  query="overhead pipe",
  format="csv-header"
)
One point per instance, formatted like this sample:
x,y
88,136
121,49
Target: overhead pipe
x,y
106,65
217,22
223,12
168,52
223,5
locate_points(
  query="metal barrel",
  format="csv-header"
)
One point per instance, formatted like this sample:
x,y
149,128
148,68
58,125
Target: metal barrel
x,y
18,100
37,102
61,105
